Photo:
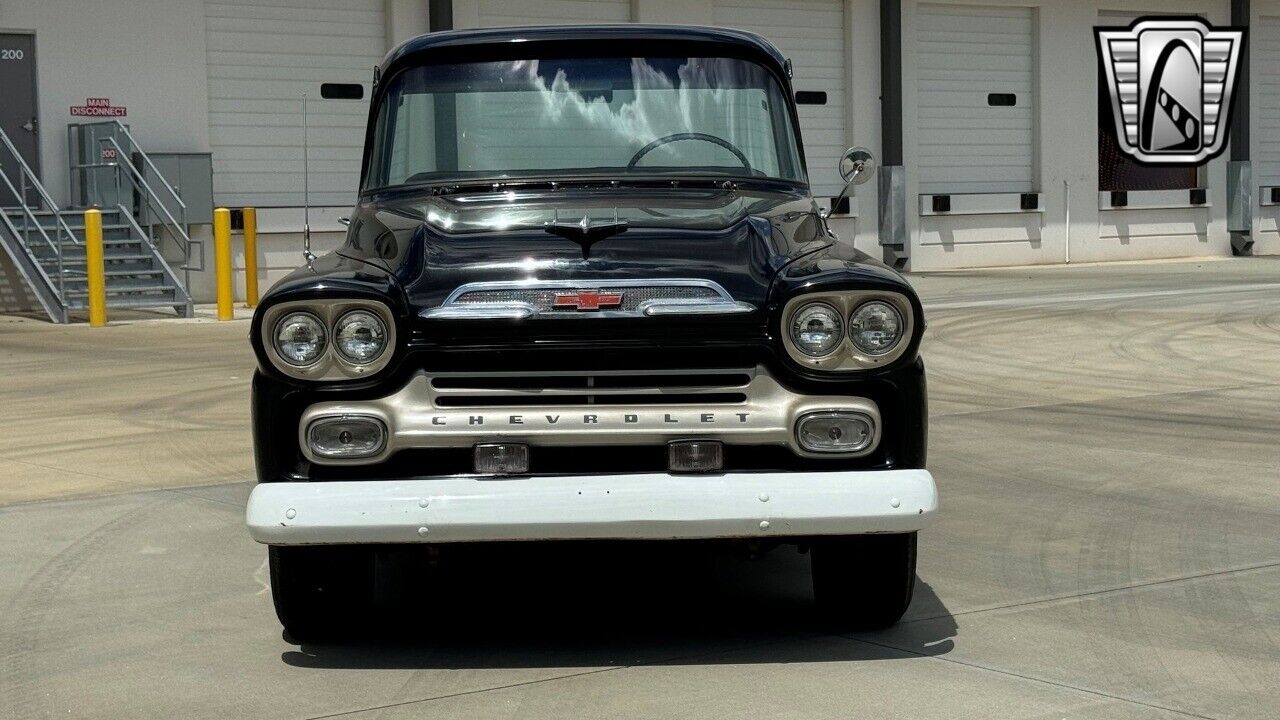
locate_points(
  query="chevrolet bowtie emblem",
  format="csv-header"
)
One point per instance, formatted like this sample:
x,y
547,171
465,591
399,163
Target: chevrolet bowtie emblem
x,y
1171,83
588,300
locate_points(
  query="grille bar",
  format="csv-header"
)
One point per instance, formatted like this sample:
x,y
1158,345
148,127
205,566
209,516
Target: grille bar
x,y
601,383
616,388
455,401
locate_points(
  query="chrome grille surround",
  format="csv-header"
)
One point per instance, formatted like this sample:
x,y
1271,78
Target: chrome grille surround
x,y
640,298
645,412
543,299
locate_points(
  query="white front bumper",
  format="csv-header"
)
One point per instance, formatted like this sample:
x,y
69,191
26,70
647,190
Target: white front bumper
x,y
637,507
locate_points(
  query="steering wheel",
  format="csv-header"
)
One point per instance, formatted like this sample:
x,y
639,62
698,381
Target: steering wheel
x,y
742,158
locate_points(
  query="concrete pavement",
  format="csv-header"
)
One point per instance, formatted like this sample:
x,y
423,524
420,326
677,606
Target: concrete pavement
x,y
1109,545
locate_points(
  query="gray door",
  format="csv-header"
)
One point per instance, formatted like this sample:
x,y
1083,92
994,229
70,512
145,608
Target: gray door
x,y
18,111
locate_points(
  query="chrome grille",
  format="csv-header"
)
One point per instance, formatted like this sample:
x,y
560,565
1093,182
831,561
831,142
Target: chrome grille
x,y
518,300
608,388
543,299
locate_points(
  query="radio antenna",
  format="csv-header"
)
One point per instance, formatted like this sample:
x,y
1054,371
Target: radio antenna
x,y
306,189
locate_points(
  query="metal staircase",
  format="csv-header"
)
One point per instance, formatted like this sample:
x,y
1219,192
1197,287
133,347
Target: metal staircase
x,y
46,243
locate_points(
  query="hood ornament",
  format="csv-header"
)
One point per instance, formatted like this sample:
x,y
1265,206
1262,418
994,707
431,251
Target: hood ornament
x,y
585,232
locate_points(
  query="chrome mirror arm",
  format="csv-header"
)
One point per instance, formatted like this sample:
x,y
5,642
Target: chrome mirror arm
x,y
855,168
835,201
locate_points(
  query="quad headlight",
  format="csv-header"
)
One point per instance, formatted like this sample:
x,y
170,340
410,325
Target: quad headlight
x,y
875,327
847,330
328,339
817,329
360,336
300,338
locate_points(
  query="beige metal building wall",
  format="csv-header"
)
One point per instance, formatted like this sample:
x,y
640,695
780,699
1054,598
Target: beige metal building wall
x,y
502,13
262,56
969,142
1265,39
811,33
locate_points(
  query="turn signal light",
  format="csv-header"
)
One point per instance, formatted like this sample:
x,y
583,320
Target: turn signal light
x,y
502,459
347,437
695,456
835,432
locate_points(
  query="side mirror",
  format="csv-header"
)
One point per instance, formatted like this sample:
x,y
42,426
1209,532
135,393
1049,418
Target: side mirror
x,y
856,167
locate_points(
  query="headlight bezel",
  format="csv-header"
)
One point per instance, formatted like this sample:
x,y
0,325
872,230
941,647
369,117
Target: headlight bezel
x,y
331,365
847,356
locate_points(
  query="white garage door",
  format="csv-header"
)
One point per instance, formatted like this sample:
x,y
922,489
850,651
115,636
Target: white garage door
x,y
811,33
1266,68
503,13
972,62
263,55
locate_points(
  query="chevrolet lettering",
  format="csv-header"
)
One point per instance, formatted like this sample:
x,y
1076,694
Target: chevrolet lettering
x,y
587,294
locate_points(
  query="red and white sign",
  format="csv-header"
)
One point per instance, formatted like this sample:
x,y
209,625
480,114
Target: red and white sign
x,y
108,153
98,107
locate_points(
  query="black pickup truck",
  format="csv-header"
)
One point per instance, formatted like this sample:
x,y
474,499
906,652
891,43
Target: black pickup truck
x,y
587,294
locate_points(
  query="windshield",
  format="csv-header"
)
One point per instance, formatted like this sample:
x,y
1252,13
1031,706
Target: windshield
x,y
609,117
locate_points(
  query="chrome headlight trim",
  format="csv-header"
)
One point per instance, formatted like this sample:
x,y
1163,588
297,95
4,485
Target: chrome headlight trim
x,y
331,365
847,357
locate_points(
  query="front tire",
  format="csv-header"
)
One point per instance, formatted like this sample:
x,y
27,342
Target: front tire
x,y
321,592
863,582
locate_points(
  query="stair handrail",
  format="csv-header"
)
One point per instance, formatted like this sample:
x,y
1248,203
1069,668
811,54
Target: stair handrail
x,y
133,143
27,215
29,176
176,230
61,230
13,230
164,265
56,306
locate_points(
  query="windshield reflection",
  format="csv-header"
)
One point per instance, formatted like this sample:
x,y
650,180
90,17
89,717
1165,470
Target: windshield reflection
x,y
597,116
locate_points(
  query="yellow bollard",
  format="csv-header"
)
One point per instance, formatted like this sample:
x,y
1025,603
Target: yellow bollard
x,y
94,269
222,261
250,257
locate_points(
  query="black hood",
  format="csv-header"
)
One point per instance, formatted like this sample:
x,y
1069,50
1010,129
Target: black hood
x,y
435,243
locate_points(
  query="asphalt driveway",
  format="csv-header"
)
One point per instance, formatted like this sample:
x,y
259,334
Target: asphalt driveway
x,y
1105,441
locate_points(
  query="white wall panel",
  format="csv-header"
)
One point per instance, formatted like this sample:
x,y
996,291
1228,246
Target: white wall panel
x,y
262,56
502,13
811,33
964,54
1266,66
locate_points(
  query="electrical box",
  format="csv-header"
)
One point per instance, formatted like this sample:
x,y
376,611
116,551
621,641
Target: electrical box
x,y
95,172
191,177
